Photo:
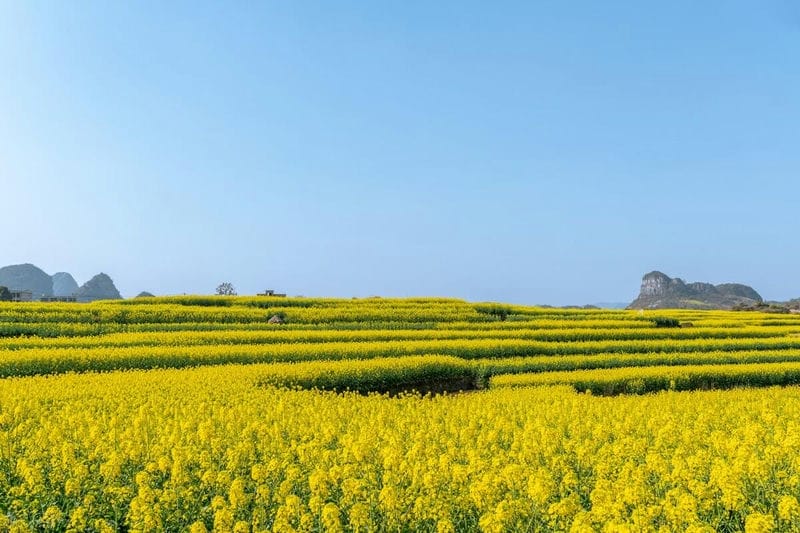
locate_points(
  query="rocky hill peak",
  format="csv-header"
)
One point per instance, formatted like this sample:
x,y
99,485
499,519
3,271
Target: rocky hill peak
x,y
27,277
659,291
64,284
100,287
655,283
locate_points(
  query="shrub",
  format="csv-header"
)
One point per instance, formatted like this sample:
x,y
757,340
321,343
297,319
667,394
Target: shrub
x,y
497,311
662,322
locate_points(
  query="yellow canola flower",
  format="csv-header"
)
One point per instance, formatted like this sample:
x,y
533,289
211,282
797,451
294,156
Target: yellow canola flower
x,y
759,523
219,448
211,448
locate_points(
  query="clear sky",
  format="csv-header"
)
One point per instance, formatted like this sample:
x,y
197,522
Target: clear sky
x,y
534,152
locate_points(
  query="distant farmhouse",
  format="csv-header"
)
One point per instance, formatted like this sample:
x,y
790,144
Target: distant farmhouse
x,y
21,296
270,292
27,296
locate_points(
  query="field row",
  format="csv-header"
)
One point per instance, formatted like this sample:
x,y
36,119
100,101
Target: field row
x,y
107,325
465,348
282,336
135,312
374,370
444,373
656,378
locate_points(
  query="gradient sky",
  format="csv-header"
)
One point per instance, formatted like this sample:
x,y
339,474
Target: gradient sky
x,y
533,152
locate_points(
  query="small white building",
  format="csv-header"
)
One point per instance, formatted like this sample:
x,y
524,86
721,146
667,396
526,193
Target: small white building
x,y
71,299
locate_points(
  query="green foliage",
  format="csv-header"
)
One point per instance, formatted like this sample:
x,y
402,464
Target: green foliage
x,y
226,289
500,312
281,315
5,294
424,374
662,322
653,379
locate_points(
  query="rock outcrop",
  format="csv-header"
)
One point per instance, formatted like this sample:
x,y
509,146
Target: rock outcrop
x,y
64,284
100,287
660,291
27,277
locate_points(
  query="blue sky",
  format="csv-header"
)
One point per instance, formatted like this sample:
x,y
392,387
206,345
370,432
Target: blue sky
x,y
534,152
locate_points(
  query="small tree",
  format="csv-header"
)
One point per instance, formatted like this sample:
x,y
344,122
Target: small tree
x,y
5,294
226,289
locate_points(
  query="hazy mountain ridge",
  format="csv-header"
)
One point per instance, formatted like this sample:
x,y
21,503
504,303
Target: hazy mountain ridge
x,y
29,277
64,284
100,287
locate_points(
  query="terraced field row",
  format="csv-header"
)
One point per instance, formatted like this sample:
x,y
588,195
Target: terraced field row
x,y
346,340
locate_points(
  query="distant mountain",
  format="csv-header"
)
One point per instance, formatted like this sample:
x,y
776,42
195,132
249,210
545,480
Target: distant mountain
x,y
611,305
100,287
145,294
64,284
27,277
792,306
660,291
